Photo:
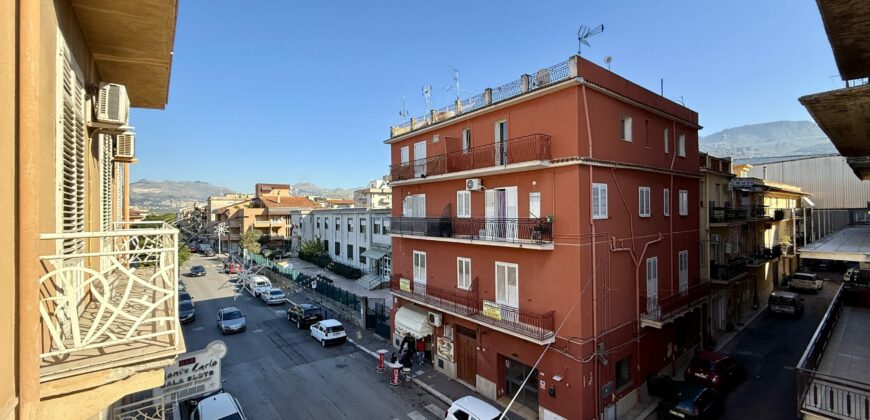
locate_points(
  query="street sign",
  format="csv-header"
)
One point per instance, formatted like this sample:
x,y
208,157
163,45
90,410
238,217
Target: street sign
x,y
195,373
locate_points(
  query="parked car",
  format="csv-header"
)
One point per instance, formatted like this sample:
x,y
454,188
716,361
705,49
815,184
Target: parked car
x,y
304,314
185,297
208,253
231,320
824,265
193,247
222,406
851,274
472,408
805,281
687,400
715,370
785,303
186,312
197,271
328,331
256,284
233,268
273,296
182,287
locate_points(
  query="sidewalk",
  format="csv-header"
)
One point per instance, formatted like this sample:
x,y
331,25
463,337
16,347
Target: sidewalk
x,y
744,322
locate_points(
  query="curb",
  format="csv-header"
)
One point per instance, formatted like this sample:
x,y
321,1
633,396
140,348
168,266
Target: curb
x,y
761,309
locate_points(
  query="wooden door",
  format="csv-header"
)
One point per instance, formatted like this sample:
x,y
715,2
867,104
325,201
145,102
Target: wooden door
x,y
466,355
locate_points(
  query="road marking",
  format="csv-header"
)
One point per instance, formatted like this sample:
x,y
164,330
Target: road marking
x,y
258,330
279,312
416,416
197,329
436,411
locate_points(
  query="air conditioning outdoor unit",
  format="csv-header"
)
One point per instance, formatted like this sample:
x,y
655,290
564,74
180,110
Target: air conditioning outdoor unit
x,y
435,319
473,184
125,148
113,105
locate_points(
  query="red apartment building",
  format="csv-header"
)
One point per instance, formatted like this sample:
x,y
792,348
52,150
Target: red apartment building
x,y
554,215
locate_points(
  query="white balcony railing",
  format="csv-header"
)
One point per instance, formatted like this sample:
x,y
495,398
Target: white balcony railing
x,y
109,298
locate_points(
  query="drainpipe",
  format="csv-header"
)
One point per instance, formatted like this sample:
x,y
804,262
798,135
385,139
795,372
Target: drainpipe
x,y
592,265
27,206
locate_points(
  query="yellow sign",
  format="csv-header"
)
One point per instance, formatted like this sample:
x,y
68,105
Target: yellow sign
x,y
405,285
491,310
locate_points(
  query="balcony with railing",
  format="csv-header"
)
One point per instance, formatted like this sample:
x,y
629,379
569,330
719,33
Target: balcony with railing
x,y
109,300
732,270
657,311
527,149
832,377
533,326
758,212
727,215
537,232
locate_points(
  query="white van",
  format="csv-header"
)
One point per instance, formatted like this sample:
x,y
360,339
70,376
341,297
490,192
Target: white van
x,y
221,406
256,284
805,281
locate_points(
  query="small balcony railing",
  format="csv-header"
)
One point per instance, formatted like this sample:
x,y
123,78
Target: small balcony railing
x,y
727,214
757,212
537,326
535,147
109,297
536,231
729,271
661,309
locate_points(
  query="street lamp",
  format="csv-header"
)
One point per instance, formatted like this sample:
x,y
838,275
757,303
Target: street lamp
x,y
220,230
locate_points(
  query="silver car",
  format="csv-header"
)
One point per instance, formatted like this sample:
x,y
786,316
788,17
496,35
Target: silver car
x,y
231,320
273,296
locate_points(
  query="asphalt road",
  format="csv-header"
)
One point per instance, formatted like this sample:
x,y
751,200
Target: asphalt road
x,y
770,348
279,372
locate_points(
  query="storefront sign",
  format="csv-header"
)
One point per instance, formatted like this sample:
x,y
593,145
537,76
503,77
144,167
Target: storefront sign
x,y
405,285
745,183
491,310
445,348
195,373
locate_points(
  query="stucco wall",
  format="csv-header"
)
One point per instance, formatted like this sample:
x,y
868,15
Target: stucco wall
x,y
8,150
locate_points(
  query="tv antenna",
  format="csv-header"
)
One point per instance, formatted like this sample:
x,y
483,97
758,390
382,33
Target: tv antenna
x,y
585,33
608,60
455,86
427,97
404,112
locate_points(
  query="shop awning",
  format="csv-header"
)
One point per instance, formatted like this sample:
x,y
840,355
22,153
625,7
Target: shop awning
x,y
414,320
375,253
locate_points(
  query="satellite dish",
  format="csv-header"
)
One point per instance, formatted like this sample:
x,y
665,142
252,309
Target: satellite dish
x,y
608,60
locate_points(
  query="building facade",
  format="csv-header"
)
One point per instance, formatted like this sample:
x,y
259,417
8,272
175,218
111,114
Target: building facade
x,y
219,202
546,228
376,195
68,248
358,237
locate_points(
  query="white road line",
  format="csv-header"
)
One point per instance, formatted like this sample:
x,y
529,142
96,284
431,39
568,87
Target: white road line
x,y
436,411
280,312
197,328
258,330
416,416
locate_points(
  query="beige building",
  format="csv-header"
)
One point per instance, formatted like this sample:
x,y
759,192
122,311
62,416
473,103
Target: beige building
x,y
73,342
376,195
218,202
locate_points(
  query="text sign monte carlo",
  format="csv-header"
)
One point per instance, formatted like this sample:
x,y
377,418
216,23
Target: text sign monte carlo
x,y
195,373
491,310
405,285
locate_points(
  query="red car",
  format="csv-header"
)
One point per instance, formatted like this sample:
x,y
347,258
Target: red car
x,y
715,370
234,268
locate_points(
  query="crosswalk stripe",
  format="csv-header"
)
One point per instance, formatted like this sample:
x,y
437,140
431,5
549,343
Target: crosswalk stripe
x,y
416,416
436,411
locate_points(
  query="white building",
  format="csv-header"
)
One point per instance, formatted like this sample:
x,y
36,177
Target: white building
x,y
376,195
358,237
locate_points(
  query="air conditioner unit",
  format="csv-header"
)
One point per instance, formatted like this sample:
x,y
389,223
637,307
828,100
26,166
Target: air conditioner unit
x,y
714,238
435,319
473,184
113,105
125,146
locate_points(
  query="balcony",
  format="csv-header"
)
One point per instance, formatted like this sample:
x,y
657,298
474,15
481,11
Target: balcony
x,y
727,215
113,306
656,311
733,270
536,327
757,212
520,233
532,149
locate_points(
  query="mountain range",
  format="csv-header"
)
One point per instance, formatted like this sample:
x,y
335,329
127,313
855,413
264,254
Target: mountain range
x,y
778,138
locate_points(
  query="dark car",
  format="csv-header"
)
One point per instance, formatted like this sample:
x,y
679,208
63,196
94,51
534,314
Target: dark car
x,y
687,400
197,271
184,297
304,314
715,370
785,303
186,312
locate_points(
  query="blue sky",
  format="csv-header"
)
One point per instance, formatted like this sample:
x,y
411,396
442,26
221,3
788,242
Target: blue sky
x,y
284,91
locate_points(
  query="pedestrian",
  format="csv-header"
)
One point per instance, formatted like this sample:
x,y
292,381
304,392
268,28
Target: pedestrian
x,y
393,359
407,341
421,348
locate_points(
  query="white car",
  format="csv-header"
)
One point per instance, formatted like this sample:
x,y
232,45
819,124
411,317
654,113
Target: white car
x,y
217,407
328,331
805,281
273,296
472,408
256,284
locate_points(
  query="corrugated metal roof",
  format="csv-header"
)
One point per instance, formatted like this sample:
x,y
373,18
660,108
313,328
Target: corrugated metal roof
x,y
828,178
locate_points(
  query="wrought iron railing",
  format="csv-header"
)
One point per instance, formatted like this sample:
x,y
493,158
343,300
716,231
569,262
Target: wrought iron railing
x,y
458,301
729,271
473,103
537,231
727,214
757,212
522,149
540,326
549,75
115,294
660,309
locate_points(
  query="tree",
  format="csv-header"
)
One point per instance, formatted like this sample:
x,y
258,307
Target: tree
x,y
312,247
250,241
183,254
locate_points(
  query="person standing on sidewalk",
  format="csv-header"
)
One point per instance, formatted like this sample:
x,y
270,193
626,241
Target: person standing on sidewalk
x,y
421,350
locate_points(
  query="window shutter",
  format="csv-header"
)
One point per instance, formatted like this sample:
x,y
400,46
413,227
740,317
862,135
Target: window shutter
x,y
106,181
72,176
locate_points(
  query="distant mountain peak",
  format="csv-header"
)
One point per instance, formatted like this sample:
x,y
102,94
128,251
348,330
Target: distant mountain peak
x,y
775,138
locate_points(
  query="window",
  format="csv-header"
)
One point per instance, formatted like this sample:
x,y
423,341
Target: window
x,y
507,284
463,273
405,155
337,223
623,373
652,283
501,137
326,223
350,224
667,142
684,203
337,248
326,246
463,203
461,415
684,270
71,151
419,267
362,226
534,205
466,139
420,159
666,199
362,258
643,202
599,201
318,223
377,229
681,145
414,206
386,226
625,128
349,252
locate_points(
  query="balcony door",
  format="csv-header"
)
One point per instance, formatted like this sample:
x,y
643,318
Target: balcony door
x,y
419,159
419,268
652,284
501,136
501,213
507,290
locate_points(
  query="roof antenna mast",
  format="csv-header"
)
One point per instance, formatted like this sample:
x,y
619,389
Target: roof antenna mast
x,y
585,33
404,112
427,97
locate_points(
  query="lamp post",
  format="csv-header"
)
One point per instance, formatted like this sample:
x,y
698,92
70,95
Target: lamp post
x,y
220,230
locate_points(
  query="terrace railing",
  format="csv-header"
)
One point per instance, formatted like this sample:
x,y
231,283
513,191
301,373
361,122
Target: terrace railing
x,y
660,309
536,231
